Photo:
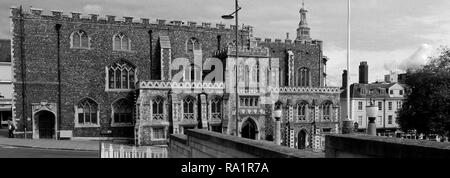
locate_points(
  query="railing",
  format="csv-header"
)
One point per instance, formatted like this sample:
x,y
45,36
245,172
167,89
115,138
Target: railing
x,y
189,116
158,116
134,152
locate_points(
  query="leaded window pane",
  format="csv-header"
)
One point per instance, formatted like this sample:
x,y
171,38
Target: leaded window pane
x,y
117,41
131,78
125,43
76,40
84,40
125,79
118,81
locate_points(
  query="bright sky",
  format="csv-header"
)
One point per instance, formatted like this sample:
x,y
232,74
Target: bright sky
x,y
388,34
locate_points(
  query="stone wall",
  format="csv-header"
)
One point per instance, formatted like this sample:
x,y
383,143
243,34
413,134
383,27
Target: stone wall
x,y
363,146
206,144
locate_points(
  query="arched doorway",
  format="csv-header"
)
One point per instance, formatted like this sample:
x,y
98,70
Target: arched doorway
x,y
249,129
302,139
46,124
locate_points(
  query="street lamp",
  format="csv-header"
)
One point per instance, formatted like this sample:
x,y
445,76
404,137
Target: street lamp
x,y
277,114
372,112
227,17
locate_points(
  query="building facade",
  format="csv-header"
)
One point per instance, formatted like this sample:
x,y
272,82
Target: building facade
x,y
6,87
97,78
387,95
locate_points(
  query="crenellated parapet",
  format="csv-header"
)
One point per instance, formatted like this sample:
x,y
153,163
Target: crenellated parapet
x,y
181,85
36,13
245,51
309,90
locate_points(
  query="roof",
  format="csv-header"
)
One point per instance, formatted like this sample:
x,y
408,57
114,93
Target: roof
x,y
164,41
373,90
5,50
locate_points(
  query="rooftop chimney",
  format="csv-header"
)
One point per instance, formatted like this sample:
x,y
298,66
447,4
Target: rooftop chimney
x,y
363,72
344,79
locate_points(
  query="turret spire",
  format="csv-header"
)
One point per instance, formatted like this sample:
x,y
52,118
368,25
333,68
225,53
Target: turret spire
x,y
303,29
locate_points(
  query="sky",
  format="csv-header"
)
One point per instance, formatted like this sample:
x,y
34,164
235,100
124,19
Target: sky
x,y
389,35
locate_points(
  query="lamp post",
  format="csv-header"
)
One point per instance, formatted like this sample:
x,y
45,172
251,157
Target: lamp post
x,y
277,114
230,16
371,112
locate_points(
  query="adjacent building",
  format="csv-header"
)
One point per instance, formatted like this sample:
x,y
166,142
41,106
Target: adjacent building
x,y
6,87
388,96
98,78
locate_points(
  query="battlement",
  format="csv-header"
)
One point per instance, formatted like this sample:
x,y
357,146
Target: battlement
x,y
288,41
244,51
36,13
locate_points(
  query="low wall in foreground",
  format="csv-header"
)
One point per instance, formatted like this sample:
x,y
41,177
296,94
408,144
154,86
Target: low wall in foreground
x,y
363,146
205,144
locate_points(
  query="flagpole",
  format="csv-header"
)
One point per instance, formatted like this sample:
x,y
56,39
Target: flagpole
x,y
347,123
348,62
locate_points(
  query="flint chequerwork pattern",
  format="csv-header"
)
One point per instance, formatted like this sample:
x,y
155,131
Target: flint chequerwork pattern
x,y
145,79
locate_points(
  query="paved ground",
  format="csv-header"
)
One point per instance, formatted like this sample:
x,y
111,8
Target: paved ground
x,y
20,152
51,144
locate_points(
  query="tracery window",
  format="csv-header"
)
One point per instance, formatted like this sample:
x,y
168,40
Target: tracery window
x,y
87,112
79,39
121,42
122,111
121,75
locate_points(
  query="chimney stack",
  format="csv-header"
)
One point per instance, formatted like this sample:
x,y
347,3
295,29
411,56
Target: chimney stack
x,y
363,73
344,79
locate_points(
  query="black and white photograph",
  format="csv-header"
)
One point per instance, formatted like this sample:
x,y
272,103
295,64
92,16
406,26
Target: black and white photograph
x,y
182,79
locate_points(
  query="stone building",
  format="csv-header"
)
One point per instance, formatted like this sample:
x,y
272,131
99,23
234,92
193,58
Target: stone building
x,y
97,78
388,96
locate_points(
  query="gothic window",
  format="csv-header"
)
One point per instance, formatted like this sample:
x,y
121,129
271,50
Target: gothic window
x,y
247,76
188,108
159,133
87,112
326,109
79,39
121,42
255,74
301,110
193,44
121,75
216,108
268,76
122,111
158,109
303,77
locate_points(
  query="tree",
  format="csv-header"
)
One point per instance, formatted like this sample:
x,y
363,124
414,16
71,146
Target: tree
x,y
427,107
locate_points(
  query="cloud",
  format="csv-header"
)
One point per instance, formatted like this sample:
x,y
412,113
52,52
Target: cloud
x,y
92,9
418,58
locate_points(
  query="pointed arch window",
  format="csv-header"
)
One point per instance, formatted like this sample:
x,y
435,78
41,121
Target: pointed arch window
x,y
326,110
86,113
216,108
247,76
158,109
188,108
303,77
121,75
79,39
301,110
121,42
193,44
122,111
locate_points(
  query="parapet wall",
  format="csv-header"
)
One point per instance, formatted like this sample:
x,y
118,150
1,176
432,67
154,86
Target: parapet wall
x,y
111,19
205,144
363,146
